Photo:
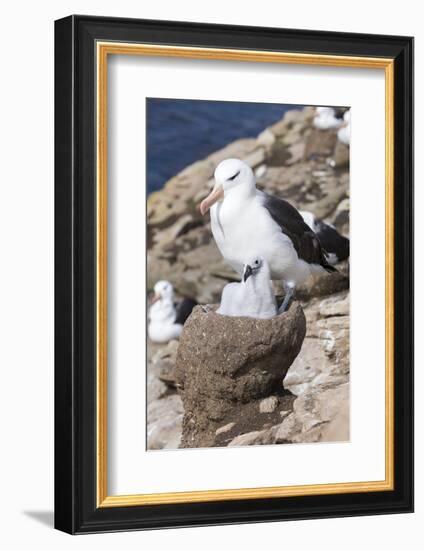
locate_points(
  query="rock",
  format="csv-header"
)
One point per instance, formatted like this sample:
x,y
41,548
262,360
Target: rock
x,y
318,415
157,357
290,120
180,227
335,306
297,152
324,284
287,428
163,363
250,438
324,359
340,218
225,429
255,158
269,404
224,363
266,138
306,367
334,332
164,423
260,170
297,183
337,429
155,388
167,374
320,143
341,154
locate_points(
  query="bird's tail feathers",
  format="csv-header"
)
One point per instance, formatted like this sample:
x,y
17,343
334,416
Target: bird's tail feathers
x,y
327,266
330,268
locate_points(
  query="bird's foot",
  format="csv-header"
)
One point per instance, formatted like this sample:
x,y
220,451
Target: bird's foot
x,y
286,302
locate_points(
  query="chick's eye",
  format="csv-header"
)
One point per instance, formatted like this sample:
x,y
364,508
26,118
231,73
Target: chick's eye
x,y
256,262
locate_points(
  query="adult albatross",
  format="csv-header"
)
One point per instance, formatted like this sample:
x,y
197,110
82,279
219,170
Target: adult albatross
x,y
165,319
247,222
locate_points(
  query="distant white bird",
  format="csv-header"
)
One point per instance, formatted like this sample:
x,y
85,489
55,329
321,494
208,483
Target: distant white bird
x,y
247,222
344,133
336,245
325,118
254,296
165,320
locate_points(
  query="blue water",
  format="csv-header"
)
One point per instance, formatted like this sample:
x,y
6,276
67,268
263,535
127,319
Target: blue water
x,y
180,131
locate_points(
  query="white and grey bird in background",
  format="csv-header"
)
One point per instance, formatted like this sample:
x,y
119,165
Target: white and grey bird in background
x,y
326,118
166,320
336,245
254,296
247,222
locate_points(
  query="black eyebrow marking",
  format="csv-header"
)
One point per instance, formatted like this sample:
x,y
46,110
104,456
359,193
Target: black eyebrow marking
x,y
234,177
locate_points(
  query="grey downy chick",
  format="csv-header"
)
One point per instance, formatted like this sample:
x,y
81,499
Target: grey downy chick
x,y
253,296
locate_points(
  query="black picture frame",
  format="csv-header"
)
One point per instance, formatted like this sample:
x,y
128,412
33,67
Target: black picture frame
x,y
76,510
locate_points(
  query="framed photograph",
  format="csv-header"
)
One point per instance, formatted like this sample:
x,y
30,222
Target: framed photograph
x,y
234,269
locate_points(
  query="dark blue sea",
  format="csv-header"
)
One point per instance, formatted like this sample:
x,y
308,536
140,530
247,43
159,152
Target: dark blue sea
x,y
180,131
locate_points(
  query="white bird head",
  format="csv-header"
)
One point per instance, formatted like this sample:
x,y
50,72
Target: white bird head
x,y
164,291
253,266
231,176
325,111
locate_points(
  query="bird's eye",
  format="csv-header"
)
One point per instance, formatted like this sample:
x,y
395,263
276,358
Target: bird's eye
x,y
256,262
234,177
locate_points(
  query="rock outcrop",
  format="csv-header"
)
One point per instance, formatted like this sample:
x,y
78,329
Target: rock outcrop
x,y
164,406
310,168
227,365
165,422
318,415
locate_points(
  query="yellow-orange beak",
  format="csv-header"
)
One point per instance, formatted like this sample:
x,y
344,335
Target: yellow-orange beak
x,y
216,195
155,298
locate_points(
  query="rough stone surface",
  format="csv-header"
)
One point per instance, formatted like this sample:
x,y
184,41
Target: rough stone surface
x,y
318,415
225,362
164,423
164,406
310,169
269,404
225,429
324,359
250,438
163,363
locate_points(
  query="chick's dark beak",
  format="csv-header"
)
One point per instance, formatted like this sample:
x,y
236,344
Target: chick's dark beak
x,y
247,273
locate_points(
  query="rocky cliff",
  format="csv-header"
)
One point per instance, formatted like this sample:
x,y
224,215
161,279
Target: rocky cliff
x,y
310,168
226,366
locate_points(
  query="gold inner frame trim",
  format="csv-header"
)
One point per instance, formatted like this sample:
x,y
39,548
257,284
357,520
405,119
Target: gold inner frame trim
x,y
103,50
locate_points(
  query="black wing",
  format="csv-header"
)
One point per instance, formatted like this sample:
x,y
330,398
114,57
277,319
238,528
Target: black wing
x,y
305,241
184,308
332,241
